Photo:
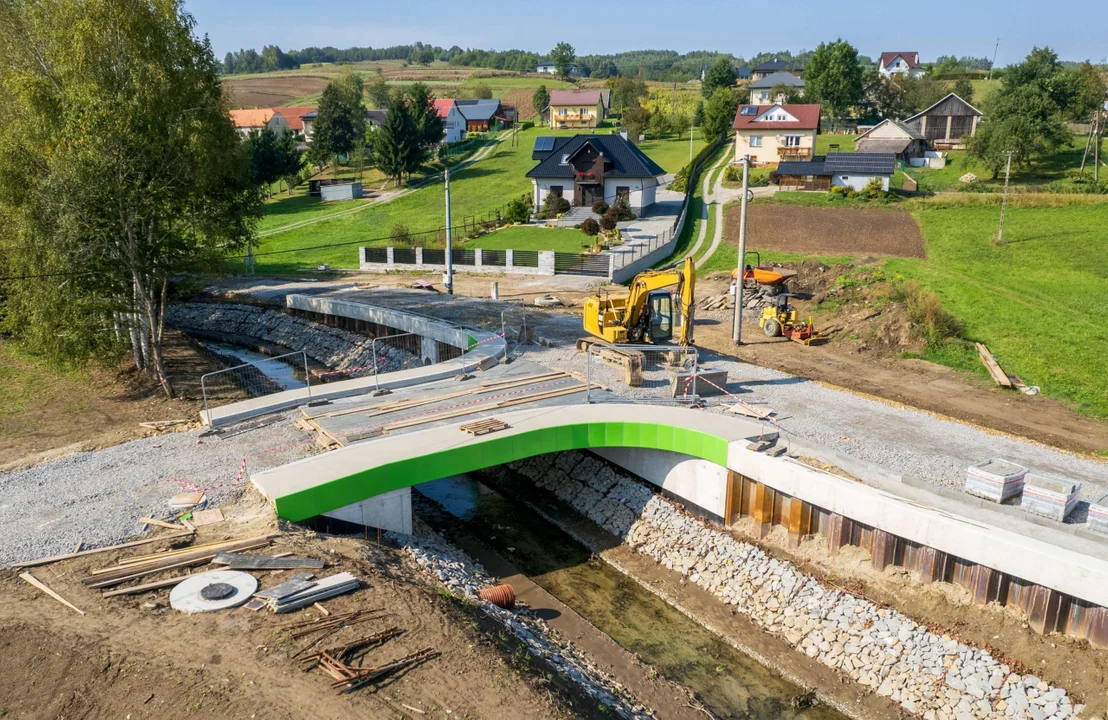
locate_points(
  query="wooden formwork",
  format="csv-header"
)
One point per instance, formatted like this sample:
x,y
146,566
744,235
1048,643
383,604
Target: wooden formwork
x,y
1046,610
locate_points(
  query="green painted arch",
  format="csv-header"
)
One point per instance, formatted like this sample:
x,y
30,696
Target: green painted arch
x,y
485,453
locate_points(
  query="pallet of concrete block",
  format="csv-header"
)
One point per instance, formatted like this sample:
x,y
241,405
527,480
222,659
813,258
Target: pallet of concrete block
x,y
995,479
1049,497
1098,515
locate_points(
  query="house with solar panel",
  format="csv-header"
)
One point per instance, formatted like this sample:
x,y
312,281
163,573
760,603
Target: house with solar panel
x,y
587,168
770,134
852,171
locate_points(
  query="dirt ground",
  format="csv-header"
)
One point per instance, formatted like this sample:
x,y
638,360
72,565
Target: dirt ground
x,y
133,656
829,231
106,408
272,91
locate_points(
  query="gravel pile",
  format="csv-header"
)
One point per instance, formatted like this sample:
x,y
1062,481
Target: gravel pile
x,y
930,675
97,497
464,577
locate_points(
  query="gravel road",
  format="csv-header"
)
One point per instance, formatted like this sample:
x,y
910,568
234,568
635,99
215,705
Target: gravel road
x,y
97,497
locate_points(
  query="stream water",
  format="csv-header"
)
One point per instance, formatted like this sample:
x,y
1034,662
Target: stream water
x,y
287,376
729,683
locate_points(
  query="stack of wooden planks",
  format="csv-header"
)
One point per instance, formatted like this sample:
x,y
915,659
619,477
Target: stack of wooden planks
x,y
484,427
989,361
136,567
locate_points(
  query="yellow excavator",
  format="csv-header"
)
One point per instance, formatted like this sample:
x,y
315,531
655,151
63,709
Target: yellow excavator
x,y
647,315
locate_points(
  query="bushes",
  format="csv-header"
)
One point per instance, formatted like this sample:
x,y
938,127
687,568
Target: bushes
x,y
619,210
518,210
553,206
590,227
607,223
399,235
600,207
733,173
926,313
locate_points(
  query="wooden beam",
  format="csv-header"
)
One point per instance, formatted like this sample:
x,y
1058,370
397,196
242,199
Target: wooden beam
x,y
999,376
122,546
161,523
168,582
28,577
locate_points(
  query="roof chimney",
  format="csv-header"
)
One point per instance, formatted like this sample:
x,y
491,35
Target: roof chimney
x,y
623,134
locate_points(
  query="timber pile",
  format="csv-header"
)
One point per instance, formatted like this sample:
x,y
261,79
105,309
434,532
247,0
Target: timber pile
x,y
989,361
484,427
351,677
143,565
312,593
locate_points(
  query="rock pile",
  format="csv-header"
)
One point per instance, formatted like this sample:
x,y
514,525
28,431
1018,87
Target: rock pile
x,y
933,676
464,577
336,348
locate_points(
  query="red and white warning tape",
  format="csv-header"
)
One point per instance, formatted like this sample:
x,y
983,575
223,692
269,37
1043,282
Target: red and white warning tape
x,y
194,487
751,408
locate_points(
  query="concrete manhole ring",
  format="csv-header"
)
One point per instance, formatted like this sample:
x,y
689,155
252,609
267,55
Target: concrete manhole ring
x,y
210,591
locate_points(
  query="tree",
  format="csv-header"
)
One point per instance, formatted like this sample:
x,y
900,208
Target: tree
x,y
482,92
429,125
698,115
1026,114
120,167
626,92
563,56
395,143
719,114
378,91
339,126
290,161
963,88
720,75
833,78
783,93
540,100
266,163
635,121
886,97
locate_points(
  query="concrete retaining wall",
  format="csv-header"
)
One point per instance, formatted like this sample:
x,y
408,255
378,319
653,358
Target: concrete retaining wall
x,y
930,675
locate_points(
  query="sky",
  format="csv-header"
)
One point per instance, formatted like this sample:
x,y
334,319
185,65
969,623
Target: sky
x,y
743,28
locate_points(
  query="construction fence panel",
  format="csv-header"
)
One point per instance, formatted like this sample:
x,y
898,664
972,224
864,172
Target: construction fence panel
x,y
517,327
388,353
644,373
255,379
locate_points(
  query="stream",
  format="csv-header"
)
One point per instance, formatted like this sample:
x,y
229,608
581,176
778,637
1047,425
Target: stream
x,y
729,683
287,377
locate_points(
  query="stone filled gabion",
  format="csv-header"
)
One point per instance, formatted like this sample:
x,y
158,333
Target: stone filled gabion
x,y
465,577
336,348
931,675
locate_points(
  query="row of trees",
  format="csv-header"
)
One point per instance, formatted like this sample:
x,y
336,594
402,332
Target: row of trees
x,y
405,141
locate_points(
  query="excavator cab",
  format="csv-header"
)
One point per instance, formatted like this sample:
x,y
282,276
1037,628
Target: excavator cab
x,y
660,317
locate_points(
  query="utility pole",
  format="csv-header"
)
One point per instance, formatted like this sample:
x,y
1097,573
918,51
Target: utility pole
x,y
1004,200
1097,130
692,132
737,330
993,63
449,246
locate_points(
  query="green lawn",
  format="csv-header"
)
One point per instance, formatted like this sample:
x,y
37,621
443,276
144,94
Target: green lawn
x,y
477,190
529,237
825,141
1050,169
1035,300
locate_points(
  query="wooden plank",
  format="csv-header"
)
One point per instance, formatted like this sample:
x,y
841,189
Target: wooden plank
x,y
155,565
990,363
570,390
295,584
160,523
157,584
139,559
240,561
28,577
182,563
493,387
93,551
484,427
207,517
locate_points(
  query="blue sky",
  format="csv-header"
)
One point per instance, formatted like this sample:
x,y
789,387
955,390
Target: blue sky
x,y
971,27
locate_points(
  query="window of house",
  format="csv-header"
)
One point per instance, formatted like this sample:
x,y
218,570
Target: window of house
x,y
792,141
584,110
556,190
755,141
562,111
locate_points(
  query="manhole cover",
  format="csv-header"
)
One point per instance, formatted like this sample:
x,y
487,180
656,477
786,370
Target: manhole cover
x,y
217,591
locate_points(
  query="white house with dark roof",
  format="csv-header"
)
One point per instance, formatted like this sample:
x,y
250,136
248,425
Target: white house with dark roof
x,y
587,168
900,63
762,89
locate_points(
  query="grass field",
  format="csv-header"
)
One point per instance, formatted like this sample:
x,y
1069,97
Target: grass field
x,y
1050,169
1032,300
477,190
529,237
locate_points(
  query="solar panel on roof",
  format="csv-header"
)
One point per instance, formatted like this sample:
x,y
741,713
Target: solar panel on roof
x,y
749,110
544,144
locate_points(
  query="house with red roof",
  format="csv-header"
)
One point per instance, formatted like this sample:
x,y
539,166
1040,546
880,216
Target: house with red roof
x,y
294,117
770,134
453,120
248,121
577,108
900,63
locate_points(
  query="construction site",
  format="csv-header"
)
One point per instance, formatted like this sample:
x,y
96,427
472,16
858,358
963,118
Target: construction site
x,y
400,502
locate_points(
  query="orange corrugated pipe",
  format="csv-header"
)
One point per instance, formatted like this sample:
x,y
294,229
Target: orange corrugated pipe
x,y
501,596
